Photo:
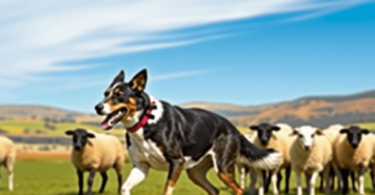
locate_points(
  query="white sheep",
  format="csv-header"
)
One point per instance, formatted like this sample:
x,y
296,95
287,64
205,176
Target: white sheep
x,y
353,151
270,136
311,154
96,152
8,158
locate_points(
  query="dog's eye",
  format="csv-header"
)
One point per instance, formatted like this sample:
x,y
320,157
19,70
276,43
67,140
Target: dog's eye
x,y
301,136
106,93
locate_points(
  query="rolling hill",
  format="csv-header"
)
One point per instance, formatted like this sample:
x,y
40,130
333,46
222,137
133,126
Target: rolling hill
x,y
314,110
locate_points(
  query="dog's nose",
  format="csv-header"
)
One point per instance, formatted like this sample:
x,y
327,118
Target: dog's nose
x,y
99,108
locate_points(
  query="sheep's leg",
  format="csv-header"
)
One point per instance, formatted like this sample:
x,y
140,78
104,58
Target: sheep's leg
x,y
321,187
10,175
327,180
299,182
288,170
80,182
268,182
354,181
279,179
345,175
244,172
312,182
253,177
274,181
136,176
308,179
105,179
90,181
361,180
260,182
198,173
372,178
339,177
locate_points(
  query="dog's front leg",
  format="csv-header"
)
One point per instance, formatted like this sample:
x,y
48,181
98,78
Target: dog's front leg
x,y
175,168
136,176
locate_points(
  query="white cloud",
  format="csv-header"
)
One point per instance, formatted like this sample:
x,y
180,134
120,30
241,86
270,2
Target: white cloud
x,y
38,36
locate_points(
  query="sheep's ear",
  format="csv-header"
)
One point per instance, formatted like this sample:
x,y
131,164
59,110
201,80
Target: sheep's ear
x,y
295,132
275,128
344,131
253,127
90,135
69,132
138,82
365,131
319,132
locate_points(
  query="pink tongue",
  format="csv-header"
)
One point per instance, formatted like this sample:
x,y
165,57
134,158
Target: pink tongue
x,y
105,126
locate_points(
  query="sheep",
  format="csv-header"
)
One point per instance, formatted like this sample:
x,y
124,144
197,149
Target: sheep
x,y
331,133
8,158
96,152
311,154
353,151
276,137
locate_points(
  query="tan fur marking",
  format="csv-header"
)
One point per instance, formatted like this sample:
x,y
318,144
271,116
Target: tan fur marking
x,y
228,179
131,107
117,90
139,82
172,183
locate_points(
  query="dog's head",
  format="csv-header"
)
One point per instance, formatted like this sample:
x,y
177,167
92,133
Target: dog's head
x,y
122,99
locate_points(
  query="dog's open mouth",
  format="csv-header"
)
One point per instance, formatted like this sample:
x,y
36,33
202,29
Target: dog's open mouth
x,y
112,119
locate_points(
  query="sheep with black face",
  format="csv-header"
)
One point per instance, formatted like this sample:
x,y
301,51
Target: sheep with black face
x,y
96,152
311,153
353,151
276,137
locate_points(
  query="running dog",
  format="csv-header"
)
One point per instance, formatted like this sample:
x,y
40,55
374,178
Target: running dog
x,y
169,138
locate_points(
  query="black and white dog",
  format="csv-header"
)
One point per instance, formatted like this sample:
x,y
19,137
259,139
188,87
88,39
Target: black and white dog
x,y
166,137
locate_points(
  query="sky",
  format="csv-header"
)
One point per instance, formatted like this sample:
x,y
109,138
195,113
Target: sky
x,y
245,52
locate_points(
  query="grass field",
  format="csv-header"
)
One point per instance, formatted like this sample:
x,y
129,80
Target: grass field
x,y
57,177
18,127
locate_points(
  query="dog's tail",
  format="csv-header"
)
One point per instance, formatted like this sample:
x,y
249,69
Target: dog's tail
x,y
258,158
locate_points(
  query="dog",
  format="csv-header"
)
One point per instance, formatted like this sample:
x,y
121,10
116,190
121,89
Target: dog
x,y
169,138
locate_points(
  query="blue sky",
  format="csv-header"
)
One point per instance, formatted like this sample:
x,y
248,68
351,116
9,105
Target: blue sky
x,y
65,54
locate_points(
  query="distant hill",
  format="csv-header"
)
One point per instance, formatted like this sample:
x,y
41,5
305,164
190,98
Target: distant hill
x,y
314,110
43,112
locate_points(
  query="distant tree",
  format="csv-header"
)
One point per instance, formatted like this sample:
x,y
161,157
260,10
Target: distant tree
x,y
3,131
26,131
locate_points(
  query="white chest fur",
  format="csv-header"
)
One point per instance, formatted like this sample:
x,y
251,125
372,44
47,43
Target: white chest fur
x,y
146,151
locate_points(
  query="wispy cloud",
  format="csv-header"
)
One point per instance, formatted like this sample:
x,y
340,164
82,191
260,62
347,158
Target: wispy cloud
x,y
180,74
38,36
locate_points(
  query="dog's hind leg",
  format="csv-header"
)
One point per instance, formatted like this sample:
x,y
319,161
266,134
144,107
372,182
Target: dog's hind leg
x,y
198,173
226,150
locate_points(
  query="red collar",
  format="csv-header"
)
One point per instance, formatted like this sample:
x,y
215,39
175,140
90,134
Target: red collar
x,y
143,121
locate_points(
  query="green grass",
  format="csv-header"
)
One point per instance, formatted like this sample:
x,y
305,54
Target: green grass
x,y
57,177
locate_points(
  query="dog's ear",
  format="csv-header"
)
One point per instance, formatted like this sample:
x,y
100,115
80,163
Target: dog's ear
x,y
69,132
119,78
138,82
